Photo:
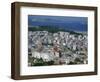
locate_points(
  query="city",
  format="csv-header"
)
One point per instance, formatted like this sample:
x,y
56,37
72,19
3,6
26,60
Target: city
x,y
57,48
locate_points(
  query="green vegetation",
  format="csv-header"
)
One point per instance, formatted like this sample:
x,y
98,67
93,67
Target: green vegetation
x,y
39,62
51,29
76,61
72,32
45,28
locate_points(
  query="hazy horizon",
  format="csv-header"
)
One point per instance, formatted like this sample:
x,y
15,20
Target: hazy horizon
x,y
65,22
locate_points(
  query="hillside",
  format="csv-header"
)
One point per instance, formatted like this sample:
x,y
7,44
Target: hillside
x,y
51,29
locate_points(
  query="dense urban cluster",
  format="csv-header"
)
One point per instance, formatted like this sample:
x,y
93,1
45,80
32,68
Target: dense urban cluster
x,y
60,48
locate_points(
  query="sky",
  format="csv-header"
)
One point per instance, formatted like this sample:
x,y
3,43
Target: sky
x,y
65,22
